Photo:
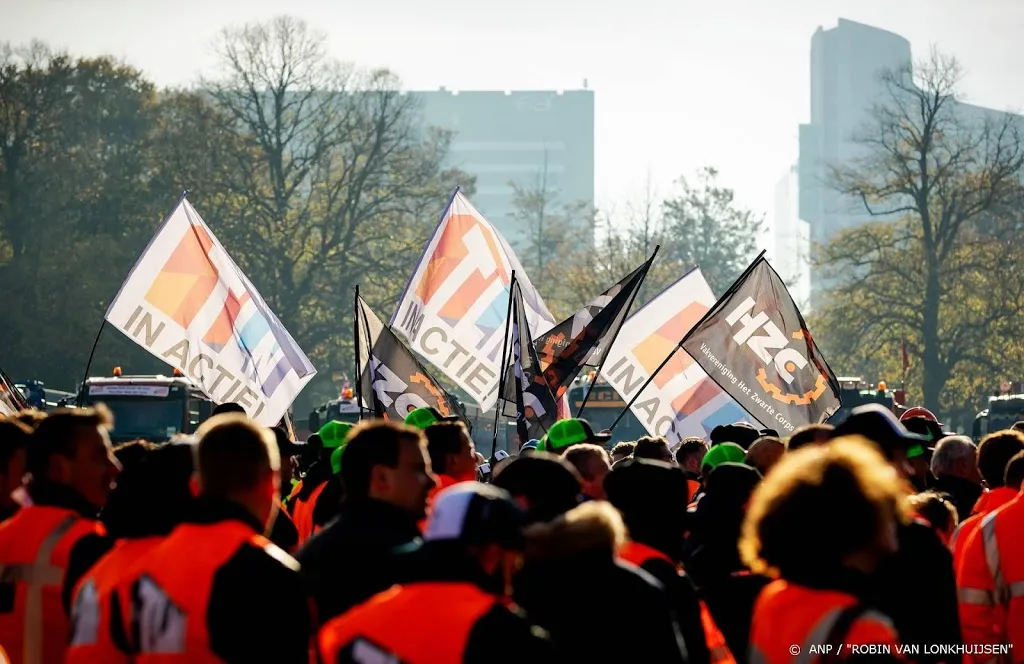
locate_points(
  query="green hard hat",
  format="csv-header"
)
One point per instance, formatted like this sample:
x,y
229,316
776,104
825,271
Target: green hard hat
x,y
723,453
336,459
333,434
570,431
421,418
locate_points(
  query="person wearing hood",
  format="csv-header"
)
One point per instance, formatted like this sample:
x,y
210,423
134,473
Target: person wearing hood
x,y
385,475
459,575
655,545
820,523
726,585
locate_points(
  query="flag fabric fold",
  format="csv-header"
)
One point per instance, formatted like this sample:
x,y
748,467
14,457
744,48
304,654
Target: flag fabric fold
x,y
681,399
188,303
524,390
584,339
452,311
11,398
392,381
755,344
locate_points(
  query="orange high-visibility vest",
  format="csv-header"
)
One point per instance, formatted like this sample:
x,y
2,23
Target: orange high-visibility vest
x,y
91,610
302,514
35,547
391,624
789,619
989,502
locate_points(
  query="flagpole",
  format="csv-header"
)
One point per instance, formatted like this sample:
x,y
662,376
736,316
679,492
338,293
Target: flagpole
x,y
679,346
586,397
355,337
99,333
504,359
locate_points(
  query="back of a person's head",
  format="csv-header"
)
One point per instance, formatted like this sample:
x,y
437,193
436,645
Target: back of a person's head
x,y
995,452
936,509
653,447
1018,426
819,505
444,438
549,484
592,527
636,485
14,437
692,448
58,433
234,455
954,456
133,451
225,408
623,450
373,443
1014,476
153,493
809,434
741,433
588,459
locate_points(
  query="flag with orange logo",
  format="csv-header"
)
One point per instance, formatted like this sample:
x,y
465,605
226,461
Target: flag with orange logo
x,y
681,400
189,304
392,382
454,307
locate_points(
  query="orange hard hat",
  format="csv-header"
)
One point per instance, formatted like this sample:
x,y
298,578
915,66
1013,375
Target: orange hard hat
x,y
919,411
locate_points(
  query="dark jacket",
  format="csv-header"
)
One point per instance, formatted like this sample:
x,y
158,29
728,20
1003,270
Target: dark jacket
x,y
88,549
284,533
572,597
916,587
353,557
685,604
963,492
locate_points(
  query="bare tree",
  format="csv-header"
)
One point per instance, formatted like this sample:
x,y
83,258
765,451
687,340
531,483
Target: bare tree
x,y
335,187
948,175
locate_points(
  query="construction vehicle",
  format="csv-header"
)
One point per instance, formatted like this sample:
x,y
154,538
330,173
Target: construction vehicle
x,y
854,391
343,409
1004,409
152,408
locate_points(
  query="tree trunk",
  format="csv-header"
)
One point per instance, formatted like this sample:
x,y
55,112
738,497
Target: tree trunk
x,y
934,375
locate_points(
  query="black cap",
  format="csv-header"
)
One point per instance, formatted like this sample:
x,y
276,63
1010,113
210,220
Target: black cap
x,y
229,407
742,433
877,423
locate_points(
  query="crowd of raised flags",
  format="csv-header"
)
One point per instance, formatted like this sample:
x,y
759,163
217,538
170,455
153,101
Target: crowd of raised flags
x,y
685,362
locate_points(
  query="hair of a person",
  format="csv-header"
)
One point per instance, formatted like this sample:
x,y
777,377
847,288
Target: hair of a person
x,y
1018,426
228,407
153,493
14,436
845,488
550,485
691,447
995,452
652,447
624,448
755,454
936,508
444,438
587,459
373,443
952,451
58,433
593,526
129,453
809,434
1014,477
30,417
233,454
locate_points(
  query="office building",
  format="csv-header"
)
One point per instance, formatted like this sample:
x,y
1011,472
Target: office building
x,y
521,137
790,237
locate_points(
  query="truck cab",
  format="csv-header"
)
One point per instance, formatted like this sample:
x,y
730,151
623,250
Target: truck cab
x,y
153,408
342,409
855,391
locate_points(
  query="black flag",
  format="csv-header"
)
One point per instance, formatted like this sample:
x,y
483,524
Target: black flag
x,y
583,339
524,391
393,382
11,398
755,344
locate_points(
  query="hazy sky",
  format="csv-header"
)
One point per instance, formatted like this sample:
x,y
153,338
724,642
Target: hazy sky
x,y
678,83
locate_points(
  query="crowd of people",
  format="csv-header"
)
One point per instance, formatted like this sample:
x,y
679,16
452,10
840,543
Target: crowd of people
x,y
399,542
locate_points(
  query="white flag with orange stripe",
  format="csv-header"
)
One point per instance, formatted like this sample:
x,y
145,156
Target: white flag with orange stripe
x,y
189,304
454,308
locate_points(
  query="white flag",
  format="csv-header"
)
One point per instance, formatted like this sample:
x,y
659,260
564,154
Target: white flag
x,y
186,302
682,400
454,307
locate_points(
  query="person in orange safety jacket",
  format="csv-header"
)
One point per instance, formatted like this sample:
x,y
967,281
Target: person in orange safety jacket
x,y
216,590
151,498
656,546
994,455
821,522
304,503
54,538
460,572
990,579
